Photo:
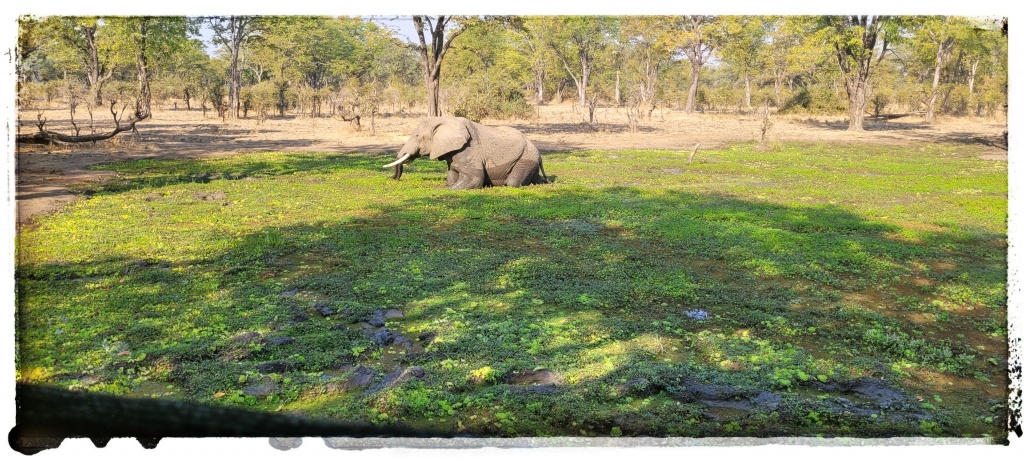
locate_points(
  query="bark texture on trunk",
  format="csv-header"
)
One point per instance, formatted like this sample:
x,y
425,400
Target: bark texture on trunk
x,y
858,97
618,95
691,96
538,83
142,105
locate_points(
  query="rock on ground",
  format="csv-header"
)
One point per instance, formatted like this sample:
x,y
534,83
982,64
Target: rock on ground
x,y
398,377
534,377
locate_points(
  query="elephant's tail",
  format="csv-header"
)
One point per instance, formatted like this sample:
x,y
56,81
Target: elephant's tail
x,y
540,163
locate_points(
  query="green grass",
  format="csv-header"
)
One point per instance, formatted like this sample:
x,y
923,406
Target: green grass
x,y
815,263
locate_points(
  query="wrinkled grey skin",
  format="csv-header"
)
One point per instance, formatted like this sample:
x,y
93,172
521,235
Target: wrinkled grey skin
x,y
477,155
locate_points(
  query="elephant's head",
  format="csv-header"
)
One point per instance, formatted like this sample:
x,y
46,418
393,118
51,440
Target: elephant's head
x,y
436,137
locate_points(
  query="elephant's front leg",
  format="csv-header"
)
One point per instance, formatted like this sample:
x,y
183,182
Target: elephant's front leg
x,y
453,178
469,174
468,181
453,175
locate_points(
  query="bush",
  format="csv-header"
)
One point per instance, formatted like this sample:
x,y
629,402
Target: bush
x,y
478,98
260,98
125,93
819,100
32,93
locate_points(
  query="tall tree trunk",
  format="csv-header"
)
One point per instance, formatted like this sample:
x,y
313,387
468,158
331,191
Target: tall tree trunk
x,y
697,51
746,82
538,83
232,35
433,96
618,95
778,89
940,57
647,86
691,97
581,80
859,94
234,85
584,78
142,106
970,81
94,68
432,56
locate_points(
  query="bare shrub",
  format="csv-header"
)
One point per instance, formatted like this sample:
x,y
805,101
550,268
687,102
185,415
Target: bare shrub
x,y
765,129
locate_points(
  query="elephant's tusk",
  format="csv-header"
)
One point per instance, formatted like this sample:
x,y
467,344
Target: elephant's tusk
x,y
399,161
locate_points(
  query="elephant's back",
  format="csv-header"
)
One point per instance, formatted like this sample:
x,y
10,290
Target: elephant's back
x,y
505,140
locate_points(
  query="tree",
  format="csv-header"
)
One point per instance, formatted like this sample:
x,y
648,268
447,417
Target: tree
x,y
790,53
859,43
313,60
537,53
186,67
983,54
696,37
141,40
576,41
79,43
933,43
646,55
274,52
232,32
745,49
486,74
432,54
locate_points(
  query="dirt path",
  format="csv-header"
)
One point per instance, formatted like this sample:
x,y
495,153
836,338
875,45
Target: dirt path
x,y
44,173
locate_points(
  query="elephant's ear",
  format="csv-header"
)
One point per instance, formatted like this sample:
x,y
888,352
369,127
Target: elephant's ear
x,y
450,136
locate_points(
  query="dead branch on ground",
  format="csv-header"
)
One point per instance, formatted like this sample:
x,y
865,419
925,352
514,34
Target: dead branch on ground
x,y
44,136
692,154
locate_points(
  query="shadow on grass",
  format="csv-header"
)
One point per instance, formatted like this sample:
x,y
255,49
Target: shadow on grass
x,y
159,172
592,283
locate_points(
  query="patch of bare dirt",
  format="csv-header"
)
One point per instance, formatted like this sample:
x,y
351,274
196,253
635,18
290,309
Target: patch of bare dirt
x,y
44,173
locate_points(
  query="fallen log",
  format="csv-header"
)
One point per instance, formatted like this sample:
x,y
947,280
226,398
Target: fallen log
x,y
47,137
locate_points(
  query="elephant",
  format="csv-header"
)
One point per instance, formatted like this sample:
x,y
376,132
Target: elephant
x,y
477,155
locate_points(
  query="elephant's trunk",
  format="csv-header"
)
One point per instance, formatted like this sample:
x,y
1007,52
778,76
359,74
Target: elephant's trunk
x,y
398,172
